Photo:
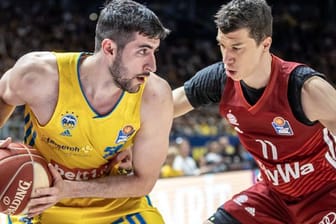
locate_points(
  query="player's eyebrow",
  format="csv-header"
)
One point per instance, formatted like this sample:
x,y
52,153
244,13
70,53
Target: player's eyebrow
x,y
146,46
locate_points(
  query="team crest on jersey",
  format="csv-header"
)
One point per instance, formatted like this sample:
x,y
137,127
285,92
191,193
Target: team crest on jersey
x,y
68,121
124,134
282,126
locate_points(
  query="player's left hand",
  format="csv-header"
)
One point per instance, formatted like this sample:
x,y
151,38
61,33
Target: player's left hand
x,y
5,143
44,198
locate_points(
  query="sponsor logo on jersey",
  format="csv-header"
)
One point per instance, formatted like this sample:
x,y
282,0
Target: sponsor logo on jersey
x,y
66,133
250,210
232,118
77,174
233,121
330,218
26,220
124,134
110,151
282,126
68,149
241,199
285,173
68,121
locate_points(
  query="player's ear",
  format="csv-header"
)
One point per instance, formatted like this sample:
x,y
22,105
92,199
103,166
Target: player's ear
x,y
109,47
266,43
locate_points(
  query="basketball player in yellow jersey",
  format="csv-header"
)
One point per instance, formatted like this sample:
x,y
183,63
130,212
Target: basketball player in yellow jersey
x,y
82,109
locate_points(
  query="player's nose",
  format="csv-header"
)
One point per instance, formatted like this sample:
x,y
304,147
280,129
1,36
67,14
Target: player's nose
x,y
150,65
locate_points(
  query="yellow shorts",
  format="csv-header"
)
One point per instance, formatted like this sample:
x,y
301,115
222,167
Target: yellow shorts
x,y
136,211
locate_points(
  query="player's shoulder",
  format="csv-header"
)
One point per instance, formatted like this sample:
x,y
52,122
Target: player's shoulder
x,y
32,69
212,74
316,83
36,60
216,68
157,87
305,76
157,100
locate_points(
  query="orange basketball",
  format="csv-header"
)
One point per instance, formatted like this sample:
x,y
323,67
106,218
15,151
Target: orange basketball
x,y
22,169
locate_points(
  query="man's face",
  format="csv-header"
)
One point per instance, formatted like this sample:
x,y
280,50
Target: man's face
x,y
134,63
240,54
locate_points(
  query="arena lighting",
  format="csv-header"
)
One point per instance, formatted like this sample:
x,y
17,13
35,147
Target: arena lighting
x,y
93,16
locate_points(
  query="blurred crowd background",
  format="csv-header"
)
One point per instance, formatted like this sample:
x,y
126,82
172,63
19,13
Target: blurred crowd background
x,y
201,141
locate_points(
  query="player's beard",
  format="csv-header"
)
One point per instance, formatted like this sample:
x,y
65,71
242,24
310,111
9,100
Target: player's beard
x,y
118,70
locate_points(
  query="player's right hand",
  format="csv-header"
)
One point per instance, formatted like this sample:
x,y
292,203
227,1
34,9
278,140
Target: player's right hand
x,y
5,143
124,161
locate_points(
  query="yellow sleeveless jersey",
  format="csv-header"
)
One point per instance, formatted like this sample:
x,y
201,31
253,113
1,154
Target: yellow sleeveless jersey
x,y
80,142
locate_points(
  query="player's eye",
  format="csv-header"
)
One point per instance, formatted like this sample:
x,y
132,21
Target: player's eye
x,y
143,51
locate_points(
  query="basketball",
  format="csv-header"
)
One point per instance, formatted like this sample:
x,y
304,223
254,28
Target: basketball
x,y
22,169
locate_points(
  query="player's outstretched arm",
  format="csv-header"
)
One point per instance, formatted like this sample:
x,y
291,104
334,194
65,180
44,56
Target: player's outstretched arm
x,y
181,102
319,102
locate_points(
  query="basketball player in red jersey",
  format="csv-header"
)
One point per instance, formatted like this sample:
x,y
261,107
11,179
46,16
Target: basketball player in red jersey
x,y
284,113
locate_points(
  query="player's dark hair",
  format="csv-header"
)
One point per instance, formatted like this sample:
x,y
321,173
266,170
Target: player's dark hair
x,y
120,20
256,15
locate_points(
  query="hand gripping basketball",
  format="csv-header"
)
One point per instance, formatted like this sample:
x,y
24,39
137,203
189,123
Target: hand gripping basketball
x,y
22,169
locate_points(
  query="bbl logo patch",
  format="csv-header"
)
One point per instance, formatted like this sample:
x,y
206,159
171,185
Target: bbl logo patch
x,y
68,122
124,134
282,126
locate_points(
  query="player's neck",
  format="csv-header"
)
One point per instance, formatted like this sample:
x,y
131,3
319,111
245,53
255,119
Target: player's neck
x,y
94,73
261,76
96,79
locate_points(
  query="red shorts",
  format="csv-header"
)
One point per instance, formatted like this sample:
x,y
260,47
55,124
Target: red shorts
x,y
260,205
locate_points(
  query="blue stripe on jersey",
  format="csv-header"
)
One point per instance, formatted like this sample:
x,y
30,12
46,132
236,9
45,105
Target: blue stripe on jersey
x,y
149,200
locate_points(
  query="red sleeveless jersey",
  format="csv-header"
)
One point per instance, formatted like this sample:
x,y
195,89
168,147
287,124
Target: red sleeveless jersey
x,y
295,159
